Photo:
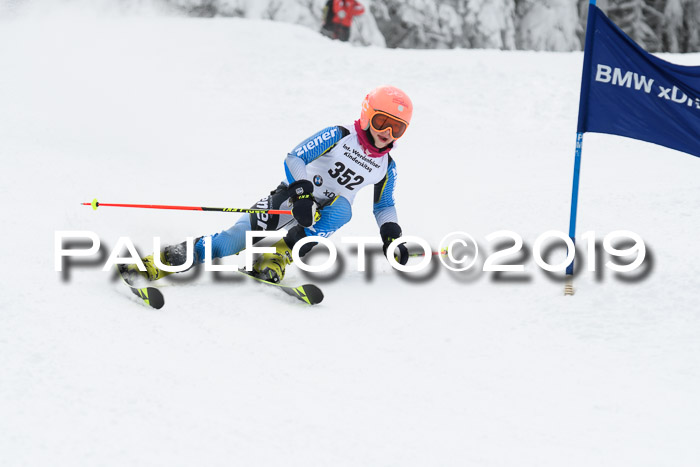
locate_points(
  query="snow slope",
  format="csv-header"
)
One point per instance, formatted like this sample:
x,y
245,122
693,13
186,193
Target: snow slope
x,y
450,369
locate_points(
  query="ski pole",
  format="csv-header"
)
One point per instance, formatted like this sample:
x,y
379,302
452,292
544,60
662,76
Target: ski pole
x,y
435,253
95,204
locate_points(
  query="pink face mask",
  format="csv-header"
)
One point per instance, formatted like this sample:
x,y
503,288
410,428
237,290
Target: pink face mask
x,y
367,145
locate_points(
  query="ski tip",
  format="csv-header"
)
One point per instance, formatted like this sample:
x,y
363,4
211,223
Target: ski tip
x,y
155,298
150,296
313,294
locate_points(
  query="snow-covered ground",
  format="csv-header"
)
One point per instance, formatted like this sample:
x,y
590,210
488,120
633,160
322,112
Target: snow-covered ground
x,y
450,370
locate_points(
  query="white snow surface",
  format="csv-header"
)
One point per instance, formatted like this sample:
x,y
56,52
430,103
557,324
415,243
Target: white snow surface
x,y
452,370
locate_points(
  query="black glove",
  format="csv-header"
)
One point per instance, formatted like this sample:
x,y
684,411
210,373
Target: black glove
x,y
301,193
390,231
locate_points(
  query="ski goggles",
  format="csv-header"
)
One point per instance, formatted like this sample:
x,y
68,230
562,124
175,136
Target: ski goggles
x,y
380,121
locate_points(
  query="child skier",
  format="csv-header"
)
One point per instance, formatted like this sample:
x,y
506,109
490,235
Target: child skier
x,y
323,175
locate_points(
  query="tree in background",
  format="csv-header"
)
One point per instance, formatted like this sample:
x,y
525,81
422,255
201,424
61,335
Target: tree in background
x,y
548,25
681,28
692,24
642,20
429,24
657,25
490,24
408,23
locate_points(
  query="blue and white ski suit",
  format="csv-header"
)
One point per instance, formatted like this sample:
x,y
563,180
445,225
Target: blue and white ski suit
x,y
336,163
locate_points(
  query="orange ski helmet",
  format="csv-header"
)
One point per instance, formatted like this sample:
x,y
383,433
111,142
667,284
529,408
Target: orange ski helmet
x,y
387,107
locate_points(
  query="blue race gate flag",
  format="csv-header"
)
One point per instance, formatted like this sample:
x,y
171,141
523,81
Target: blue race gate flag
x,y
626,91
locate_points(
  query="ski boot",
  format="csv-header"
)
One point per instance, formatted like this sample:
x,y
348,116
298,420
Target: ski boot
x,y
172,255
131,272
270,266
